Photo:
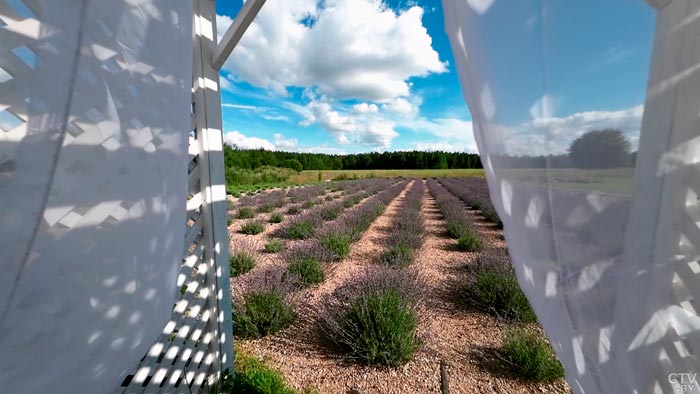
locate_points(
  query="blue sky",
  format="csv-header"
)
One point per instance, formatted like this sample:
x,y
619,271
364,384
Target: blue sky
x,y
343,76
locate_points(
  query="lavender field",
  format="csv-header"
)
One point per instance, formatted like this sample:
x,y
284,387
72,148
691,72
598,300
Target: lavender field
x,y
371,285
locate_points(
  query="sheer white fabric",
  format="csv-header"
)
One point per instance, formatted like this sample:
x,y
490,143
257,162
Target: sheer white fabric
x,y
606,253
94,121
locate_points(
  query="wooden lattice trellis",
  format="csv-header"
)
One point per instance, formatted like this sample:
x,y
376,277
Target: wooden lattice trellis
x,y
196,345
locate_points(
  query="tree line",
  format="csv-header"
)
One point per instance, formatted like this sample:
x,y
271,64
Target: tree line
x,y
235,157
595,149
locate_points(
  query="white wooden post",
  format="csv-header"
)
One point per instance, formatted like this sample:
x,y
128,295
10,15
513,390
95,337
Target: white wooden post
x,y
197,344
213,183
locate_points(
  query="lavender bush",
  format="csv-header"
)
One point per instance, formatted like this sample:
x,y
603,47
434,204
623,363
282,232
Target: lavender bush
x,y
406,229
373,319
458,225
475,192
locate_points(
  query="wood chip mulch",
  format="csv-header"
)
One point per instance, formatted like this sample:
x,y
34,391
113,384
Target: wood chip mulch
x,y
463,338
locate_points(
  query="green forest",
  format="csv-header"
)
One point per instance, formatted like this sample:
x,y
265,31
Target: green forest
x,y
253,159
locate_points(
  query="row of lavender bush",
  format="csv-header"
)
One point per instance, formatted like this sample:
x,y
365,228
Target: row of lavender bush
x,y
373,319
305,225
475,192
458,225
278,198
406,229
337,236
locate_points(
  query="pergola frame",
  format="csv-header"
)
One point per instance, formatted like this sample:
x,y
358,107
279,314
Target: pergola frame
x,y
170,368
201,318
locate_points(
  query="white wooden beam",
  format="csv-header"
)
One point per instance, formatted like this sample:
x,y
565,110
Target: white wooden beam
x,y
207,110
235,32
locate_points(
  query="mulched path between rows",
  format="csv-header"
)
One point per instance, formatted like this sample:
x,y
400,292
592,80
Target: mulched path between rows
x,y
463,337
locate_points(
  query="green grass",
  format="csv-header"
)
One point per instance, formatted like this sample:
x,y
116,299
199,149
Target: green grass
x,y
307,204
613,181
245,213
241,262
308,271
379,329
254,377
273,246
253,227
531,356
498,292
293,210
263,313
312,176
301,229
338,243
276,218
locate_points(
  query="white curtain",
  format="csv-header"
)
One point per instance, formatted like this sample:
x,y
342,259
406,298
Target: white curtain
x,y
94,121
606,251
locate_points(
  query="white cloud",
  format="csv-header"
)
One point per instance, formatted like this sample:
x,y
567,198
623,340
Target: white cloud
x,y
238,139
364,108
363,125
553,135
401,106
264,112
457,133
280,143
287,144
436,146
242,141
343,48
322,149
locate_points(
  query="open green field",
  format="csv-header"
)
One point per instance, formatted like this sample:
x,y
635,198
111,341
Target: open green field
x,y
613,181
312,176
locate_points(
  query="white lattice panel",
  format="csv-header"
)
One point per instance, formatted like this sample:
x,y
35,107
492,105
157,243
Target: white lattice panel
x,y
93,161
196,344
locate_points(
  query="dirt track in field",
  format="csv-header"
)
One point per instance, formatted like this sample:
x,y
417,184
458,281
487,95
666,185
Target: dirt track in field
x,y
452,332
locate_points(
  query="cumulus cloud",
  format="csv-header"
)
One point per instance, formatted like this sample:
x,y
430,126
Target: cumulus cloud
x,y
553,135
238,139
357,49
280,143
363,125
338,50
456,133
401,106
364,108
287,144
436,146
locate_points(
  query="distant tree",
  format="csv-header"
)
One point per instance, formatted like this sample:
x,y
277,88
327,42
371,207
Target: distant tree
x,y
293,164
235,157
440,161
607,148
